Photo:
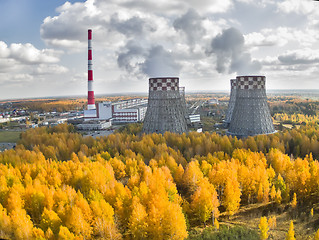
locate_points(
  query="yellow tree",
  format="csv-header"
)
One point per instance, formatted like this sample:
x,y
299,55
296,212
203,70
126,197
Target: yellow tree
x,y
317,235
138,220
272,222
231,196
192,176
103,224
291,232
76,222
273,193
293,203
5,224
65,234
263,228
21,224
204,201
50,219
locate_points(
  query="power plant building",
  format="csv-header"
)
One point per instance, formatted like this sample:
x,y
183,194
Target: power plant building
x,y
165,110
129,111
251,114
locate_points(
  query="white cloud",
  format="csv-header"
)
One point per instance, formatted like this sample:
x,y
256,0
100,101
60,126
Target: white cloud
x,y
281,36
46,69
300,56
28,54
297,6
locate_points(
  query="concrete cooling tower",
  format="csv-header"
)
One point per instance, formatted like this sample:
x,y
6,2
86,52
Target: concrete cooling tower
x,y
165,111
251,114
232,100
183,100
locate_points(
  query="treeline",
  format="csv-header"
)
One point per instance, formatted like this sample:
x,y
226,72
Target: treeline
x,y
60,142
144,187
294,106
296,118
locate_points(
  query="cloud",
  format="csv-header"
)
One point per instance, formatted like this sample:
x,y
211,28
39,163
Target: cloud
x,y
68,29
160,63
191,25
301,56
261,39
23,65
297,6
154,61
169,7
130,58
46,69
134,26
281,36
28,54
229,49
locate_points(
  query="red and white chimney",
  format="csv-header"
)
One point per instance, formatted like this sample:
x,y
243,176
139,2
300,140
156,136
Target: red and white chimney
x,y
91,101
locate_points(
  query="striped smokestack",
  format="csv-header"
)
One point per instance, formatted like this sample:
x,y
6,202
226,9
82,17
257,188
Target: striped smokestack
x,y
91,102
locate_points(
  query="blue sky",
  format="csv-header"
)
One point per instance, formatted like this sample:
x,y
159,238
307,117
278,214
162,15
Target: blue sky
x,y
43,44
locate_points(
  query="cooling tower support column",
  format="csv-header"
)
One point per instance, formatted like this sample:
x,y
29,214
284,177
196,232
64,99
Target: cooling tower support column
x,y
91,101
165,111
232,100
251,114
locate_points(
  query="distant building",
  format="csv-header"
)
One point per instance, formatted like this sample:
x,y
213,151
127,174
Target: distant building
x,y
128,111
94,125
194,118
213,101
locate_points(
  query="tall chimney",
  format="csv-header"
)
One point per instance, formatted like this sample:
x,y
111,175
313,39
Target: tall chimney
x,y
91,102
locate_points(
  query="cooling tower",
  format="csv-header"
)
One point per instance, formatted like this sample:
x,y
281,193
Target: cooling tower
x,y
183,100
251,114
232,101
165,109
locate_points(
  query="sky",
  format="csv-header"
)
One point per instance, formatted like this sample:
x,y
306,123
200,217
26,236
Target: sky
x,y
43,44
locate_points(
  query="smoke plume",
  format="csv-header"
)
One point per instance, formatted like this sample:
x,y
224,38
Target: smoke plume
x,y
231,55
153,62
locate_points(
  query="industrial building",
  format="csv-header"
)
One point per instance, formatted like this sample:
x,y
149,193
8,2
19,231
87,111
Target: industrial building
x,y
165,110
231,104
94,125
132,110
251,114
128,111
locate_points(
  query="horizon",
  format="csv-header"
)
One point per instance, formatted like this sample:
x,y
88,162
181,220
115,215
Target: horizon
x,y
137,94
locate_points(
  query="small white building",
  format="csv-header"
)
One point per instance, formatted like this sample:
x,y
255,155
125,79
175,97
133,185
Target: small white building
x,y
213,101
94,125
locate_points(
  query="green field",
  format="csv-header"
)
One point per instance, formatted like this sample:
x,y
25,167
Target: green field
x,y
9,136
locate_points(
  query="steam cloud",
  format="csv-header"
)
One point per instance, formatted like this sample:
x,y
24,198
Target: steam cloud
x,y
191,25
230,52
154,61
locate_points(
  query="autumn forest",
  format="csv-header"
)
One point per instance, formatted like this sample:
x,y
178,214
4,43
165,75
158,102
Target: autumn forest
x,y
57,184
